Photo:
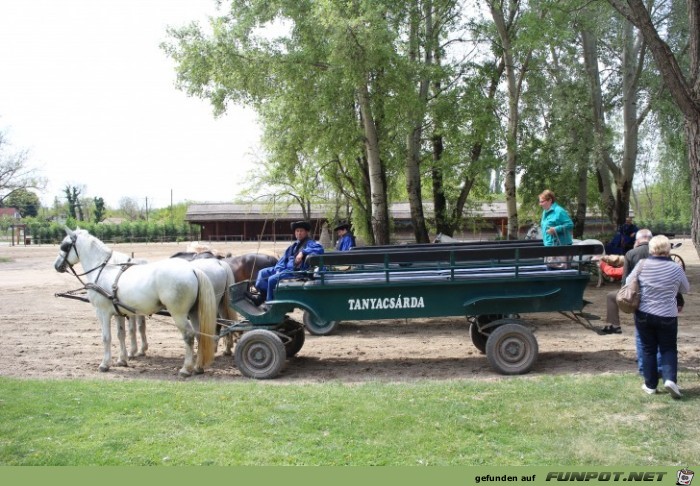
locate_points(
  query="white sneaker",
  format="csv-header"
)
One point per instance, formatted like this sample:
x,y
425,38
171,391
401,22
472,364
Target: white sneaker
x,y
650,391
673,389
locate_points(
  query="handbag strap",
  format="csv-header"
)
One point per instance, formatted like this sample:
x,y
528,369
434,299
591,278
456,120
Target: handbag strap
x,y
641,267
556,235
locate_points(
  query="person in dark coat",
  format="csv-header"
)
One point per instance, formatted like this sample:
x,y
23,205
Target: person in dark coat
x,y
292,261
346,240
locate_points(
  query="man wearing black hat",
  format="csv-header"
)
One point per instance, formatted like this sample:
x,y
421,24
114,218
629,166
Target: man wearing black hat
x,y
346,240
292,260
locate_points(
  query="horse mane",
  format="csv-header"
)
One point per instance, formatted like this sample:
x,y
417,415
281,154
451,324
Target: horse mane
x,y
197,248
260,252
94,241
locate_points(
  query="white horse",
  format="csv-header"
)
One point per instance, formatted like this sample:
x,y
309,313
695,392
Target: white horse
x,y
136,322
221,277
173,284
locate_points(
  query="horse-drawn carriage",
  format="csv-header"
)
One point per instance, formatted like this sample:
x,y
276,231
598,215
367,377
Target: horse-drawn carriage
x,y
490,283
497,281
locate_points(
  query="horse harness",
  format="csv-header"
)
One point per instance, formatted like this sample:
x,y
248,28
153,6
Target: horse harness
x,y
91,286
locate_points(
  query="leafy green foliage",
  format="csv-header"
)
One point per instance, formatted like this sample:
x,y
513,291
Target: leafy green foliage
x,y
26,202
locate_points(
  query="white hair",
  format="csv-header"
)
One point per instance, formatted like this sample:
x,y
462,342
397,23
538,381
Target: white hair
x,y
643,235
659,245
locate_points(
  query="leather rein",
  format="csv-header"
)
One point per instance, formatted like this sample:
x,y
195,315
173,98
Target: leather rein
x,y
91,286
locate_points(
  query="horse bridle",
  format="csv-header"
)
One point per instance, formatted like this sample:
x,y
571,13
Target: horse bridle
x,y
66,248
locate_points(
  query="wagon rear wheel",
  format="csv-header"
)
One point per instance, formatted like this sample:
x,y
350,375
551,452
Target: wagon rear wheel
x,y
295,332
260,354
478,338
511,349
316,326
677,258
481,326
477,332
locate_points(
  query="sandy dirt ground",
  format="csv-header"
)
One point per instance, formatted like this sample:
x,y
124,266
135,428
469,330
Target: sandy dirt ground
x,y
44,336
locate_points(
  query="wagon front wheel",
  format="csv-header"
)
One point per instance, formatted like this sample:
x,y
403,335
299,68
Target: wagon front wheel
x,y
260,354
511,349
316,326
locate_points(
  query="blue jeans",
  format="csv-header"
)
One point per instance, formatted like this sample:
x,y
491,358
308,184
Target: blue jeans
x,y
267,281
638,343
657,334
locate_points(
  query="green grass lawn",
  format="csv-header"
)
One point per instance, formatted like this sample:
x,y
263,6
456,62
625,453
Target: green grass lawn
x,y
562,420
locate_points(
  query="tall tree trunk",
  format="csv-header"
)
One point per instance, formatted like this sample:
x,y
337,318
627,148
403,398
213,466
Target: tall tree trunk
x,y
514,91
416,115
582,197
692,133
632,62
603,161
413,186
442,225
377,179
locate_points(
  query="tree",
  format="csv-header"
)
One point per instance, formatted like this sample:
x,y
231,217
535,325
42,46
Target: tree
x,y
15,175
75,208
130,208
332,56
684,87
26,202
100,210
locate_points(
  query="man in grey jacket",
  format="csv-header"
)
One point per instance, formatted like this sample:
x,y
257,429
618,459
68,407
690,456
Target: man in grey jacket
x,y
632,257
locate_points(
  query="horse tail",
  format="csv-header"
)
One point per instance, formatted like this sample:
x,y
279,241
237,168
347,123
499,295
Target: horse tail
x,y
206,313
231,314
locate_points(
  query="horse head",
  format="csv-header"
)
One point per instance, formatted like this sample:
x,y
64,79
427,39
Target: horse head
x,y
68,254
534,233
81,246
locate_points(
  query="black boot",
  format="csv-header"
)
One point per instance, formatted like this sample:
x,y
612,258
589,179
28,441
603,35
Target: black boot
x,y
256,298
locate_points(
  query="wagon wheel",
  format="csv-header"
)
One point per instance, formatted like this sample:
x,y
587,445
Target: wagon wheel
x,y
478,338
316,326
480,327
295,332
478,333
677,258
511,349
260,354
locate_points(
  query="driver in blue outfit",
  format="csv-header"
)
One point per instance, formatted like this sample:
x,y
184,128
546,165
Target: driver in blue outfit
x,y
346,240
286,267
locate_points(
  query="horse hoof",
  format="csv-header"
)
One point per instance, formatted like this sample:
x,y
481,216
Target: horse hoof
x,y
123,363
103,368
184,374
141,354
199,371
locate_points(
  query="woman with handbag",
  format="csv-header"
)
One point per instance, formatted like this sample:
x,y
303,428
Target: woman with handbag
x,y
557,227
656,318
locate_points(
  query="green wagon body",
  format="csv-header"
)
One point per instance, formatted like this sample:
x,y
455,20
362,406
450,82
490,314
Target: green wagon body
x,y
422,281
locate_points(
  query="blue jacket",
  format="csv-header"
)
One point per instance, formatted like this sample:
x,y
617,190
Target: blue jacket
x,y
557,217
286,262
346,243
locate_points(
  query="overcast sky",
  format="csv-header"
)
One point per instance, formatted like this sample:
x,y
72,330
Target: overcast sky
x,y
86,89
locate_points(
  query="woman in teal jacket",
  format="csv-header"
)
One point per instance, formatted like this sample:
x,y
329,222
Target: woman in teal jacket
x,y
557,227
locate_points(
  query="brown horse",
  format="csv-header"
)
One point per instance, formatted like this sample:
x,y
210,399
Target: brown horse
x,y
246,268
